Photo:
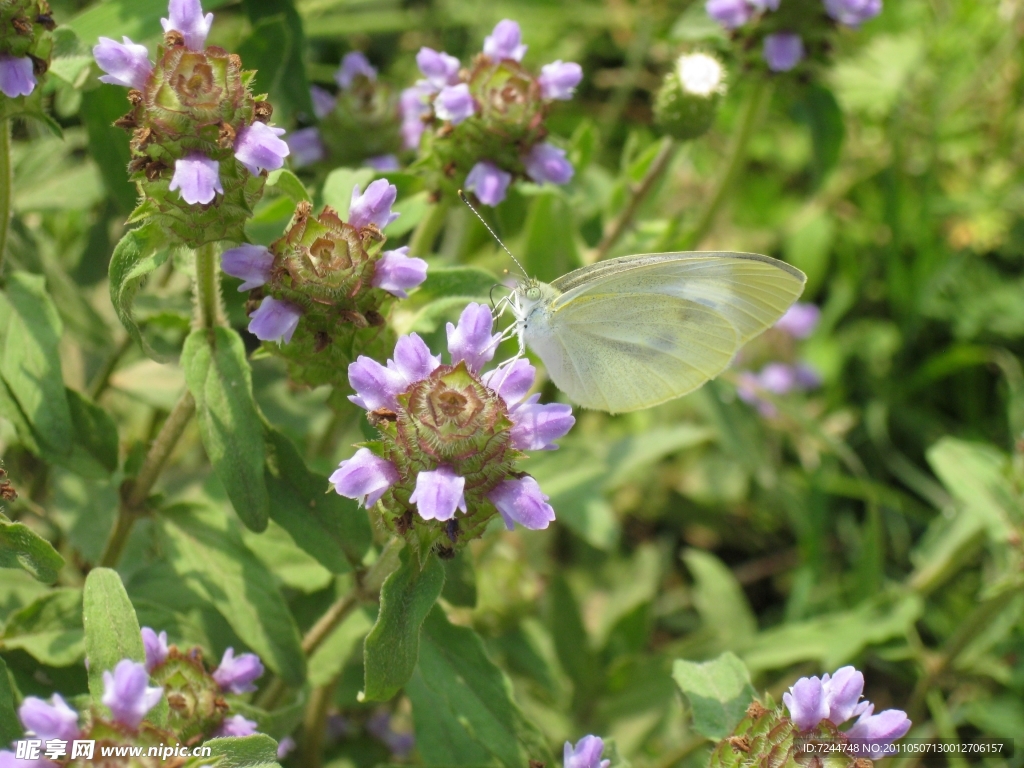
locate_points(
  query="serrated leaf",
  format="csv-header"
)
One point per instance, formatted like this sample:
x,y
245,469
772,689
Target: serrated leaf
x,y
49,628
21,547
257,751
137,254
719,692
219,378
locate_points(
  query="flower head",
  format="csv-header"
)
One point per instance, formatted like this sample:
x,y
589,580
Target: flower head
x,y
586,754
488,182
383,163
125,63
439,493
374,205
471,340
236,674
323,101
353,65
505,42
186,16
437,67
397,272
17,76
546,162
275,320
800,320
876,732
729,13
806,702
413,107
558,80
54,720
197,177
454,103
156,648
251,263
259,148
783,51
127,694
853,12
700,74
305,147
365,477
237,725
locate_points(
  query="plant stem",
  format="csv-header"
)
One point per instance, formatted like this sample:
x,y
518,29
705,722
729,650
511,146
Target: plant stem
x,y
422,241
209,310
102,379
314,725
6,187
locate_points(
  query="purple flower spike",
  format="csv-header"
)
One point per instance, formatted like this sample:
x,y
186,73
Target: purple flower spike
x,y
354,65
489,182
49,721
586,754
250,263
471,340
125,63
373,206
546,162
806,703
236,674
783,51
306,147
198,178
396,272
513,383
383,163
876,732
729,13
375,386
275,320
438,67
126,693
438,493
522,501
285,747
505,42
853,12
17,77
156,648
536,426
413,361
365,477
800,320
558,80
237,726
323,101
842,693
259,148
187,17
454,103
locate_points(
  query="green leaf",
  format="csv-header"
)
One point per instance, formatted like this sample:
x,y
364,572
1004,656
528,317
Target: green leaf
x,y
719,692
288,184
112,630
460,580
570,638
108,146
719,599
338,186
392,647
10,727
279,21
138,253
212,559
257,751
218,375
444,282
822,115
21,547
30,362
549,250
49,628
95,451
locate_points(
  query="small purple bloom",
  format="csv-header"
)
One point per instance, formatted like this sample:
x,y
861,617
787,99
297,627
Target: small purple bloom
x,y
9,759
413,106
806,376
379,726
454,103
55,720
800,320
237,674
586,754
353,65
546,162
373,206
285,747
783,51
522,501
365,477
729,13
237,725
842,693
323,101
438,493
505,42
275,320
198,178
186,16
438,67
511,383
558,80
375,386
125,63
412,360
777,378
536,426
853,12
747,387
879,731
250,263
396,272
156,648
259,148
489,182
383,163
17,77
306,147
126,693
806,703
764,5
471,340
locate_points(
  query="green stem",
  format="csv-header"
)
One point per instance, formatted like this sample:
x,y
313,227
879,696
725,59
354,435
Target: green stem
x,y
6,187
314,725
422,241
102,379
209,309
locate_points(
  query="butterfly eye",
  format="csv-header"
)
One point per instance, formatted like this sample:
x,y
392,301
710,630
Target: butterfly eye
x,y
533,293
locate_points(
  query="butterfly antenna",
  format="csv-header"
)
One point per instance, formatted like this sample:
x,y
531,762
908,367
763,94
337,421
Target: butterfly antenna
x,y
498,239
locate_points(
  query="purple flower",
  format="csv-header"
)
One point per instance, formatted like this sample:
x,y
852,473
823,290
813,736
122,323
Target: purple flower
x,y
375,386
198,178
764,5
17,77
125,63
471,339
586,754
156,648
413,106
49,721
806,377
806,703
365,477
454,103
522,501
438,67
842,694
237,674
187,18
853,12
747,387
323,101
546,162
879,731
306,147
800,320
489,182
511,383
379,726
285,747
373,206
505,42
275,320
783,51
383,163
777,378
126,693
729,13
237,725
354,65
8,759
438,493
259,148
558,80
250,263
413,361
396,272
535,426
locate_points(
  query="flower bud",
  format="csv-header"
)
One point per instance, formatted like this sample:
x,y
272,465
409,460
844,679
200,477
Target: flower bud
x,y
505,42
783,51
688,100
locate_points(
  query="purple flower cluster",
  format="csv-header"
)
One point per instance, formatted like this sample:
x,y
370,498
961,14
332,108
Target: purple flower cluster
x,y
836,698
780,378
586,753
